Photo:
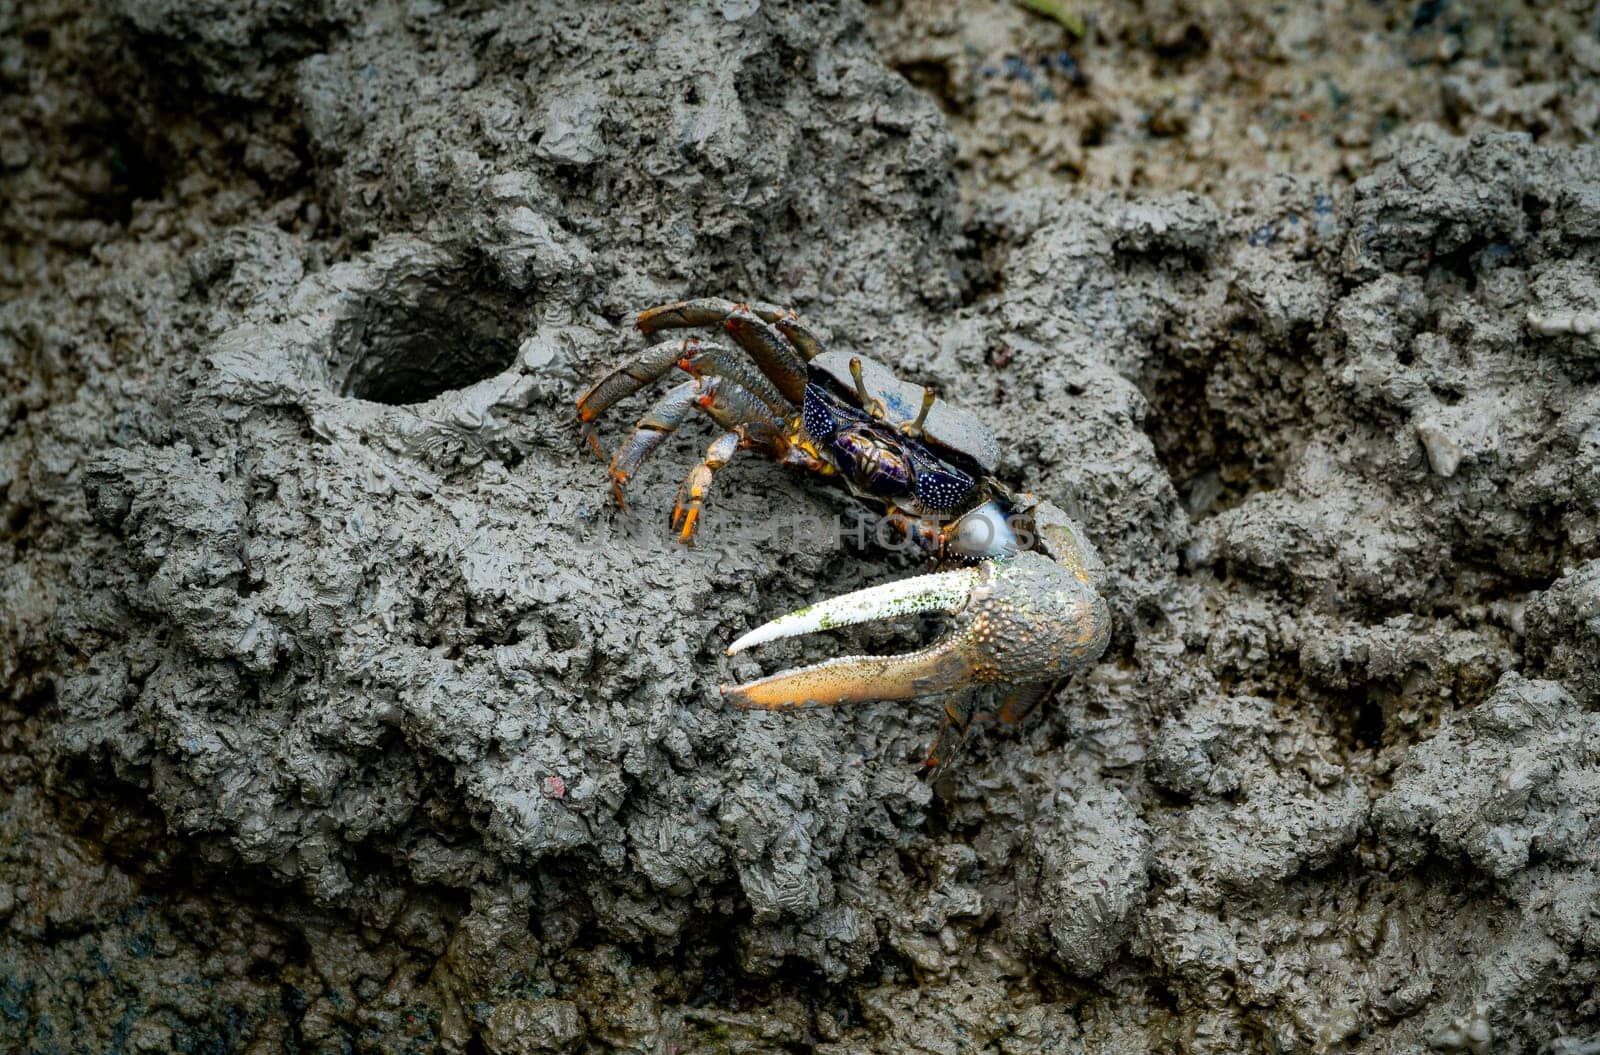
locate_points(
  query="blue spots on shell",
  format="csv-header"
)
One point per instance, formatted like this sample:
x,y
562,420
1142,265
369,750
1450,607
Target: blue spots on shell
x,y
816,417
943,489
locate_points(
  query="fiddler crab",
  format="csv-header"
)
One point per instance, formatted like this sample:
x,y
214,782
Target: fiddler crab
x,y
1017,576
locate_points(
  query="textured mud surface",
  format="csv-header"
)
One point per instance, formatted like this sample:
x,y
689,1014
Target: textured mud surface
x,y
342,712
1168,93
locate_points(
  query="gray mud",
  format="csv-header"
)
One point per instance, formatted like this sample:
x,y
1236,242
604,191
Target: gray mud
x,y
343,712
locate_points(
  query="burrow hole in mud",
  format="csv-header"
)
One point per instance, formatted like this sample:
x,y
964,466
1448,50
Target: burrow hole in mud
x,y
138,173
935,79
421,335
1225,420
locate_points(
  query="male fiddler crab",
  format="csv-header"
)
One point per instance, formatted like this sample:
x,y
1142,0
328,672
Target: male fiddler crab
x,y
1016,574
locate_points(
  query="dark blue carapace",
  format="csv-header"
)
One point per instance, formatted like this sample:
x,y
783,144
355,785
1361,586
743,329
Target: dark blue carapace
x,y
881,461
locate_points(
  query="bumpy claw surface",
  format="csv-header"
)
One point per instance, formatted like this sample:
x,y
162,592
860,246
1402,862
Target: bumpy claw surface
x,y
1019,620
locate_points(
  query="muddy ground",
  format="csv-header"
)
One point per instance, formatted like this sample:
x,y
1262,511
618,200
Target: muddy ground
x,y
342,711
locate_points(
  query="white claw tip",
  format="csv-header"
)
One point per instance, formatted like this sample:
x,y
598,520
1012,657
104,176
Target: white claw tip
x,y
944,591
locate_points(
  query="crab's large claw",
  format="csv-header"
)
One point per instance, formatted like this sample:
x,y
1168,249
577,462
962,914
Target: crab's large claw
x,y
1020,619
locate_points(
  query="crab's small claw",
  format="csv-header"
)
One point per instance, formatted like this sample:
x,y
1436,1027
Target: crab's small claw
x,y
1018,620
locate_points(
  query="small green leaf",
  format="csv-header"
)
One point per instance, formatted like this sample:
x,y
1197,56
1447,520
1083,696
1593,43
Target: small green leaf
x,y
1060,12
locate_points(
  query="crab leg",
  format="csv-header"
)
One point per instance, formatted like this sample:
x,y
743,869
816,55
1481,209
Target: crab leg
x,y
772,352
1020,702
708,311
962,712
692,495
767,345
695,356
702,311
659,422
713,360
727,402
750,423
628,378
958,722
639,371
788,323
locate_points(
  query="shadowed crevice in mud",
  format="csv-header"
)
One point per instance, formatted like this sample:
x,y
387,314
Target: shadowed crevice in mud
x,y
425,331
411,359
1217,423
934,78
1211,463
138,174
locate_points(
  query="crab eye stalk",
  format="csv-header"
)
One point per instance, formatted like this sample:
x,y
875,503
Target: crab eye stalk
x,y
871,404
913,428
